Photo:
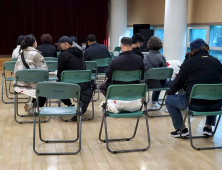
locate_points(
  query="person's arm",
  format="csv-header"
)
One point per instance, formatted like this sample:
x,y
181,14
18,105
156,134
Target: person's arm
x,y
61,66
110,70
108,53
179,81
143,71
164,64
55,53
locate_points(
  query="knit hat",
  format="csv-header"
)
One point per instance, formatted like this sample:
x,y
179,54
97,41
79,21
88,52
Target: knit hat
x,y
197,43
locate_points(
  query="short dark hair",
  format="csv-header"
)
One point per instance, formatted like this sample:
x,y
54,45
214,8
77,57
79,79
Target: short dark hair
x,y
46,38
19,40
127,41
91,38
138,38
154,43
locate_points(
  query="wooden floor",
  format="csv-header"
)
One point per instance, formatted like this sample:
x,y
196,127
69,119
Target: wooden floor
x,y
16,150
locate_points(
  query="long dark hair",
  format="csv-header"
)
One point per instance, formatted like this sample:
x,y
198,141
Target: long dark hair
x,y
28,41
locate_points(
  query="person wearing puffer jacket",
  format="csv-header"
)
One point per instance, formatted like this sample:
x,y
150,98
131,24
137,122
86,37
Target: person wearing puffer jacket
x,y
35,61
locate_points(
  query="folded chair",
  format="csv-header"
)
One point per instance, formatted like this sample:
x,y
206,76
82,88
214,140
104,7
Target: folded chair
x,y
126,93
203,92
58,90
92,65
162,73
8,66
81,76
28,75
50,59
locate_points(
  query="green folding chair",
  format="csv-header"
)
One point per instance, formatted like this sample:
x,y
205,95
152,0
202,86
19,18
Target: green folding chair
x,y
162,73
203,92
81,76
126,93
92,65
58,90
14,59
28,75
58,54
116,52
102,62
50,59
52,66
126,76
8,67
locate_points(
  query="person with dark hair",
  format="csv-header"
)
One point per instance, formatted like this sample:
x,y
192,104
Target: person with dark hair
x,y
201,68
15,53
95,51
154,60
30,58
47,49
126,61
138,40
71,58
75,42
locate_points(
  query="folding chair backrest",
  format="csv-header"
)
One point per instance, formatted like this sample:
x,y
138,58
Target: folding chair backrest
x,y
161,73
127,76
111,54
50,59
32,75
91,65
14,59
206,91
74,76
126,92
52,65
57,90
9,66
117,49
102,62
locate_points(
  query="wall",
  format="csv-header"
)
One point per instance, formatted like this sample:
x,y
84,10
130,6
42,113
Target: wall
x,y
152,12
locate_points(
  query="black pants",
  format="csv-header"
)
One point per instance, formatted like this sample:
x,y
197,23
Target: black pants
x,y
42,101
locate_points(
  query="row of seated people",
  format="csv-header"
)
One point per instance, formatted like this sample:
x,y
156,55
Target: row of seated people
x,y
199,68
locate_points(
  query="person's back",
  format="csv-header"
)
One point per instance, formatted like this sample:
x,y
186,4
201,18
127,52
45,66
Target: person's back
x,y
96,51
201,69
71,59
46,49
32,57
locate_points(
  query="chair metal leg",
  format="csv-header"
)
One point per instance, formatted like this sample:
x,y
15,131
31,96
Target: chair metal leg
x,y
79,130
122,139
130,150
6,90
16,112
161,105
195,137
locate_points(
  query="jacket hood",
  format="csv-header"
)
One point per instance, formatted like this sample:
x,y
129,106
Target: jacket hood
x,y
75,51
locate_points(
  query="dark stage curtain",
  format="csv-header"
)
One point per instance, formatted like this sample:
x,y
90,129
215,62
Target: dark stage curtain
x,y
56,17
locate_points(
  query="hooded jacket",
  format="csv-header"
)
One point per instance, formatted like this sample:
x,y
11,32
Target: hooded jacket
x,y
70,59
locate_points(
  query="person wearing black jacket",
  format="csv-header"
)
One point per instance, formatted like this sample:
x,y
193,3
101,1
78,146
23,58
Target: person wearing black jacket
x,y
126,61
137,40
46,49
71,58
96,51
201,68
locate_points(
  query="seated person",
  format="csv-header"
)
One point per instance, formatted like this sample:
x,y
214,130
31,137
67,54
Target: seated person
x,y
71,58
154,60
138,40
46,48
15,53
75,42
195,70
34,60
127,61
95,51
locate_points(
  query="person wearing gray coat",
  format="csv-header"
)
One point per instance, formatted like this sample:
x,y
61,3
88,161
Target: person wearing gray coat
x,y
154,60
